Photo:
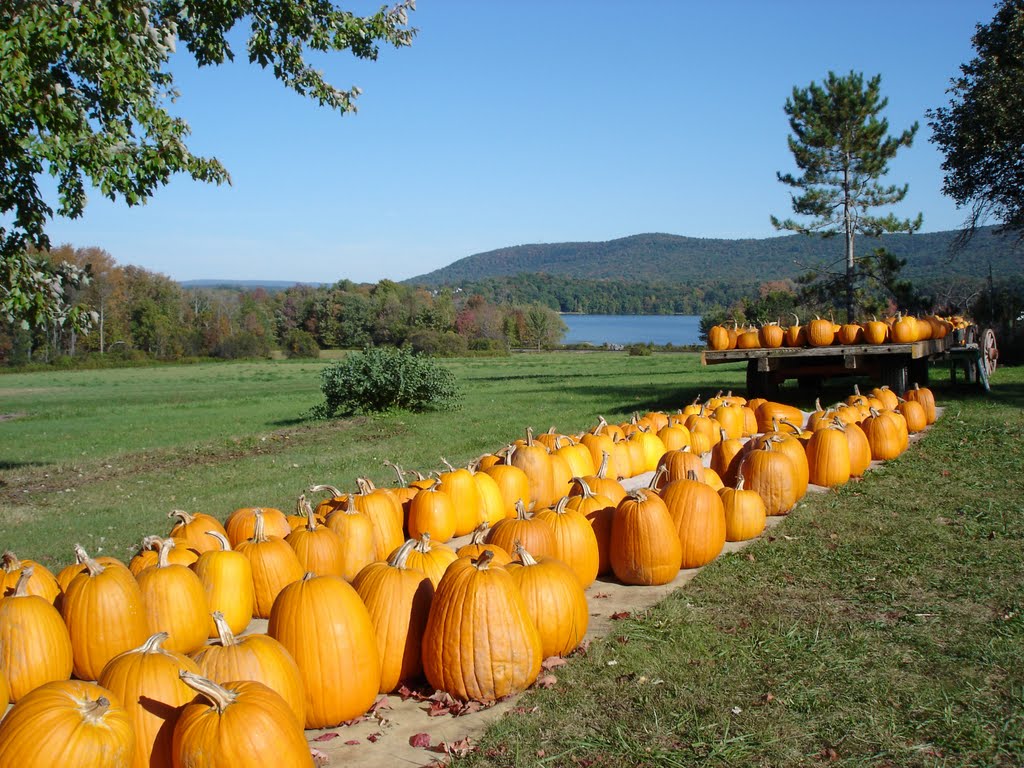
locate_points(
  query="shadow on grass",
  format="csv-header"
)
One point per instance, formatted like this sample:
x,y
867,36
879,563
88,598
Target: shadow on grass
x,y
5,465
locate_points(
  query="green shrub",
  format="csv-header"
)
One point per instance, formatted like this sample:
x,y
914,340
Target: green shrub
x,y
640,350
383,379
438,343
300,343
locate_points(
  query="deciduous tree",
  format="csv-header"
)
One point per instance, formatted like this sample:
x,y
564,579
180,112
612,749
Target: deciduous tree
x,y
842,149
981,132
86,94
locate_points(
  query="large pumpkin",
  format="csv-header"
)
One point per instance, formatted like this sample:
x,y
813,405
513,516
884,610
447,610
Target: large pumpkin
x,y
175,602
770,473
828,457
533,532
274,566
244,725
147,680
554,600
108,598
480,642
699,517
467,509
252,657
599,511
70,724
575,540
644,546
532,457
325,626
226,577
397,598
35,647
385,512
355,529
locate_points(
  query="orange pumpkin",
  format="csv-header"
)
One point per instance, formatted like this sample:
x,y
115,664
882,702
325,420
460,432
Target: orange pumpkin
x,y
274,566
42,582
575,540
645,547
554,600
174,601
317,548
192,528
478,543
355,529
699,517
744,512
467,509
433,559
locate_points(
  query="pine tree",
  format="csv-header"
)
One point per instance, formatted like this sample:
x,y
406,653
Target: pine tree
x,y
842,148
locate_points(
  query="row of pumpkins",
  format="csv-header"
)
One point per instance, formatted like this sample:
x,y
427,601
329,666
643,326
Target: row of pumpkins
x,y
825,332
355,609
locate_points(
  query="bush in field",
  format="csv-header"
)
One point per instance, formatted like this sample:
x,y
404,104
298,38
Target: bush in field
x,y
383,379
241,345
300,343
641,350
438,343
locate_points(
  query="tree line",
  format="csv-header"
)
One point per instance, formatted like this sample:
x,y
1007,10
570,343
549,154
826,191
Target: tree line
x,y
141,314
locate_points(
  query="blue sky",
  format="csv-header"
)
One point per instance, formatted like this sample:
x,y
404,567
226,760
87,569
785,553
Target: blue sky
x,y
525,121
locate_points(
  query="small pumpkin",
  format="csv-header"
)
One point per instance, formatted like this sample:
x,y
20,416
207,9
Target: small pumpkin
x,y
534,533
192,528
478,543
433,511
42,582
317,547
745,514
433,559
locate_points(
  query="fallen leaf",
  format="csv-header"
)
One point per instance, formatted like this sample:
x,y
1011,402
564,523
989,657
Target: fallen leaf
x,y
327,736
353,742
374,737
750,557
600,595
459,748
541,753
553,661
319,758
381,703
546,681
620,615
420,740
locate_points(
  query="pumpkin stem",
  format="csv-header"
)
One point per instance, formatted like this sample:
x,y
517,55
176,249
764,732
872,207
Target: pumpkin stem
x,y
529,436
305,508
398,471
93,711
423,545
165,549
184,518
585,490
480,533
691,474
154,643
227,637
560,506
520,510
447,464
219,696
401,555
329,488
638,494
11,563
524,557
21,588
602,471
483,562
225,545
259,530
658,474
80,555
94,567
364,485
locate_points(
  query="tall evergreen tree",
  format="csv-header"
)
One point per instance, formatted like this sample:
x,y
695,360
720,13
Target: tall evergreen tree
x,y
981,132
842,148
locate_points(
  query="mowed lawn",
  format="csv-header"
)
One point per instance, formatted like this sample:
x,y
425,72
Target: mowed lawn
x,y
881,625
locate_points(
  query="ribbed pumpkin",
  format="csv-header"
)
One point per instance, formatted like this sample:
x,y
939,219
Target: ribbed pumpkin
x,y
575,540
676,465
175,602
770,473
748,339
467,511
601,484
68,572
875,332
886,397
245,725
107,597
147,680
397,598
241,524
644,547
532,458
325,626
492,503
385,513
274,566
534,533
317,548
433,511
581,463
427,556
35,647
42,581
554,600
820,332
673,437
226,577
192,528
850,333
598,510
828,457
478,543
598,442
904,330
796,334
561,476
70,724
726,457
512,482
480,642
793,448
744,512
718,338
884,434
914,413
701,424
925,397
770,412
252,657
860,449
355,529
149,554
771,335
699,518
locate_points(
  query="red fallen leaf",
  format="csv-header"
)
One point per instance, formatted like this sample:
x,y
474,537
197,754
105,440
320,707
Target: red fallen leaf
x,y
459,748
582,648
353,742
552,661
327,736
620,615
546,681
381,703
541,753
420,740
438,708
374,737
600,595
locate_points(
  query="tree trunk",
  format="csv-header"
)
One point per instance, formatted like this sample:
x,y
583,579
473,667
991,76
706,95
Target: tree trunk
x,y
848,227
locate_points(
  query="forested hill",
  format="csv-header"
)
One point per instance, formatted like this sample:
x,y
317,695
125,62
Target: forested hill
x,y
666,258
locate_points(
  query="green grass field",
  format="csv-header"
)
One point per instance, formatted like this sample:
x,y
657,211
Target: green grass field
x,y
880,625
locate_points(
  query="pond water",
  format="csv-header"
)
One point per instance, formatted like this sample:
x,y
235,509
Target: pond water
x,y
599,330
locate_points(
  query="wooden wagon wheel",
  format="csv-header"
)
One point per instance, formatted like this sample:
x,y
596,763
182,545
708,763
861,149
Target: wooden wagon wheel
x,y
989,351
